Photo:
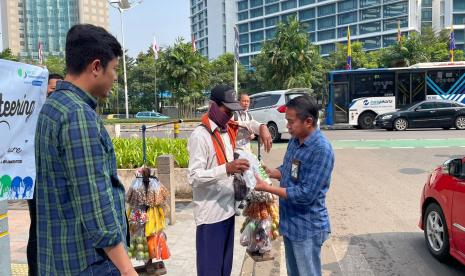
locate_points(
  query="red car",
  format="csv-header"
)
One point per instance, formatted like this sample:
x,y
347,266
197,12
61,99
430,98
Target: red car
x,y
443,211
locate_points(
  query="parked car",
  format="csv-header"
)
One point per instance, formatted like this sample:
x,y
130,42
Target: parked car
x,y
442,211
426,114
270,108
150,115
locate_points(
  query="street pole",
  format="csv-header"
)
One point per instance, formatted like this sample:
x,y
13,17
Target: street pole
x,y
235,77
124,66
156,103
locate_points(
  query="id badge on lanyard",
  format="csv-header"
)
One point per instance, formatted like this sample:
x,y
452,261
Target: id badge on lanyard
x,y
295,168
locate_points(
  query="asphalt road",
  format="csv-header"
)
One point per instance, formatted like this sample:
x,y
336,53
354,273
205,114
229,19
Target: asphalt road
x,y
374,200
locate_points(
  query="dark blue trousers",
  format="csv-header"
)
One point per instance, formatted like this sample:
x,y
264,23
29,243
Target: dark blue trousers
x,y
215,246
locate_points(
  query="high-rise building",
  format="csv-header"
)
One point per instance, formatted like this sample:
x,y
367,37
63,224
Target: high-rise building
x,y
28,23
373,22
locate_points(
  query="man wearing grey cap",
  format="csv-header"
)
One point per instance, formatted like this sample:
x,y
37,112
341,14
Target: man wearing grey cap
x,y
211,169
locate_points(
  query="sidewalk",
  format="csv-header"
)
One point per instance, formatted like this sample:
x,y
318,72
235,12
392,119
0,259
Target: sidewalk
x,y
181,240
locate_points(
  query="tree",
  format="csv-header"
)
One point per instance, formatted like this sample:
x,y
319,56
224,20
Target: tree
x,y
8,55
360,58
55,65
289,60
222,71
186,75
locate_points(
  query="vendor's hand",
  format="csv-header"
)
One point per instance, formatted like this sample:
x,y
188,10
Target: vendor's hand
x,y
261,185
265,138
272,172
237,166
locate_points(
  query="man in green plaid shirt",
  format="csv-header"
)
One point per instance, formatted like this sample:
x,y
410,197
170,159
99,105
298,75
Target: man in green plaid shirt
x,y
81,221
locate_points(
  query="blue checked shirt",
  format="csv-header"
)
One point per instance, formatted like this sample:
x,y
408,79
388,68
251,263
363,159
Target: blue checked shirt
x,y
80,201
304,212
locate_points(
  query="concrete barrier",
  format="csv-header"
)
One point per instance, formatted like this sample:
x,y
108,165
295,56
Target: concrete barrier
x,y
5,259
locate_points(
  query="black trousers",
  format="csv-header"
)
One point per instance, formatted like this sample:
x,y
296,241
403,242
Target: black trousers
x,y
215,246
32,242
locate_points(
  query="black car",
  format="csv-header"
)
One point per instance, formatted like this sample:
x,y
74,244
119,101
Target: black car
x,y
426,114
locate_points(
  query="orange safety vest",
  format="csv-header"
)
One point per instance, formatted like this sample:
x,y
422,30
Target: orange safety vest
x,y
218,142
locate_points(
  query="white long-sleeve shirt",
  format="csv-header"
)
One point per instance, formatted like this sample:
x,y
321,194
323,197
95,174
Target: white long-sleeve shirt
x,y
213,192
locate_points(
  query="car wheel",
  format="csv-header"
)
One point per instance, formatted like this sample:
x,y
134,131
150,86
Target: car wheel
x,y
460,122
436,232
275,135
400,124
367,120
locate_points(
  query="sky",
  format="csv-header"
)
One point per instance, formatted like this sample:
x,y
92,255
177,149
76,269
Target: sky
x,y
164,19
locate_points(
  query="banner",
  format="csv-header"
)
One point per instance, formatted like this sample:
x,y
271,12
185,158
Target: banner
x,y
23,90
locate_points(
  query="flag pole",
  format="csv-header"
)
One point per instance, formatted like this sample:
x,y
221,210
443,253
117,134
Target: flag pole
x,y
235,76
156,103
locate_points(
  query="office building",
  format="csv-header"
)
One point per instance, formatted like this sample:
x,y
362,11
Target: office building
x,y
28,23
373,22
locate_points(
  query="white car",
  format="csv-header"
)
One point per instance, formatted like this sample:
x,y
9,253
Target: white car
x,y
270,107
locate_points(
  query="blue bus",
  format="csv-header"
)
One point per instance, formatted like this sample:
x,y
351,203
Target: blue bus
x,y
357,96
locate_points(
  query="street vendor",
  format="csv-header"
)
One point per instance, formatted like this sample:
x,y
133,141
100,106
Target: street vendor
x,y
211,169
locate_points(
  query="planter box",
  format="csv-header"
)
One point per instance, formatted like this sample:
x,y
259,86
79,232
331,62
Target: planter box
x,y
180,176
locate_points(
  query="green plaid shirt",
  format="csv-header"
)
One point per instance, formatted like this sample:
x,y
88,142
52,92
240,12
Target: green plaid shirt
x,y
80,201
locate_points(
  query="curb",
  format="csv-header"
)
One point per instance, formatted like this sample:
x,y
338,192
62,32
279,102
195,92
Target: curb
x,y
337,127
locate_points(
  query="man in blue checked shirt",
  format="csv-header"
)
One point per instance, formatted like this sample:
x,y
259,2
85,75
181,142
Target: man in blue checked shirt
x,y
305,177
81,220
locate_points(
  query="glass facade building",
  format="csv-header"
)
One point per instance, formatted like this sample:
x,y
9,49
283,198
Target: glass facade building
x,y
373,22
26,23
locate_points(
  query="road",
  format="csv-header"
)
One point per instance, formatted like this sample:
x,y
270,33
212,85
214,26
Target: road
x,y
374,200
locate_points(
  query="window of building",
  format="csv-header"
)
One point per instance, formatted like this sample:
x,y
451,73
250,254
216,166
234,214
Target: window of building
x,y
271,1
290,4
389,40
244,61
371,27
243,28
459,19
310,25
242,5
256,24
256,12
272,8
256,36
327,22
244,38
371,42
244,48
256,3
272,21
326,35
370,13
242,16
311,37
327,10
288,16
427,14
427,3
342,32
347,5
305,2
459,5
347,18
367,3
327,49
391,24
396,9
270,33
256,47
306,14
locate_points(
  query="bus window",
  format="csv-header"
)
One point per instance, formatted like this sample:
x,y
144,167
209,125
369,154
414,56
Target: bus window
x,y
441,83
374,85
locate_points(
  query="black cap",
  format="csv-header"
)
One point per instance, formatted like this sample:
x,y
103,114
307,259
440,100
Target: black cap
x,y
225,95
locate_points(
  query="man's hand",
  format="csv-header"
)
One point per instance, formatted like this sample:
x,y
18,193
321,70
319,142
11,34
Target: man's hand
x,y
132,272
261,185
265,138
237,166
272,173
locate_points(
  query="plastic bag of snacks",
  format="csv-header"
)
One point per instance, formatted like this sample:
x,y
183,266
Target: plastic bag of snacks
x,y
255,168
149,192
255,236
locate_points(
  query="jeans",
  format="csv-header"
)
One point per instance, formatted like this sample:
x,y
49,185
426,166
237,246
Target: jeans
x,y
303,257
101,268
